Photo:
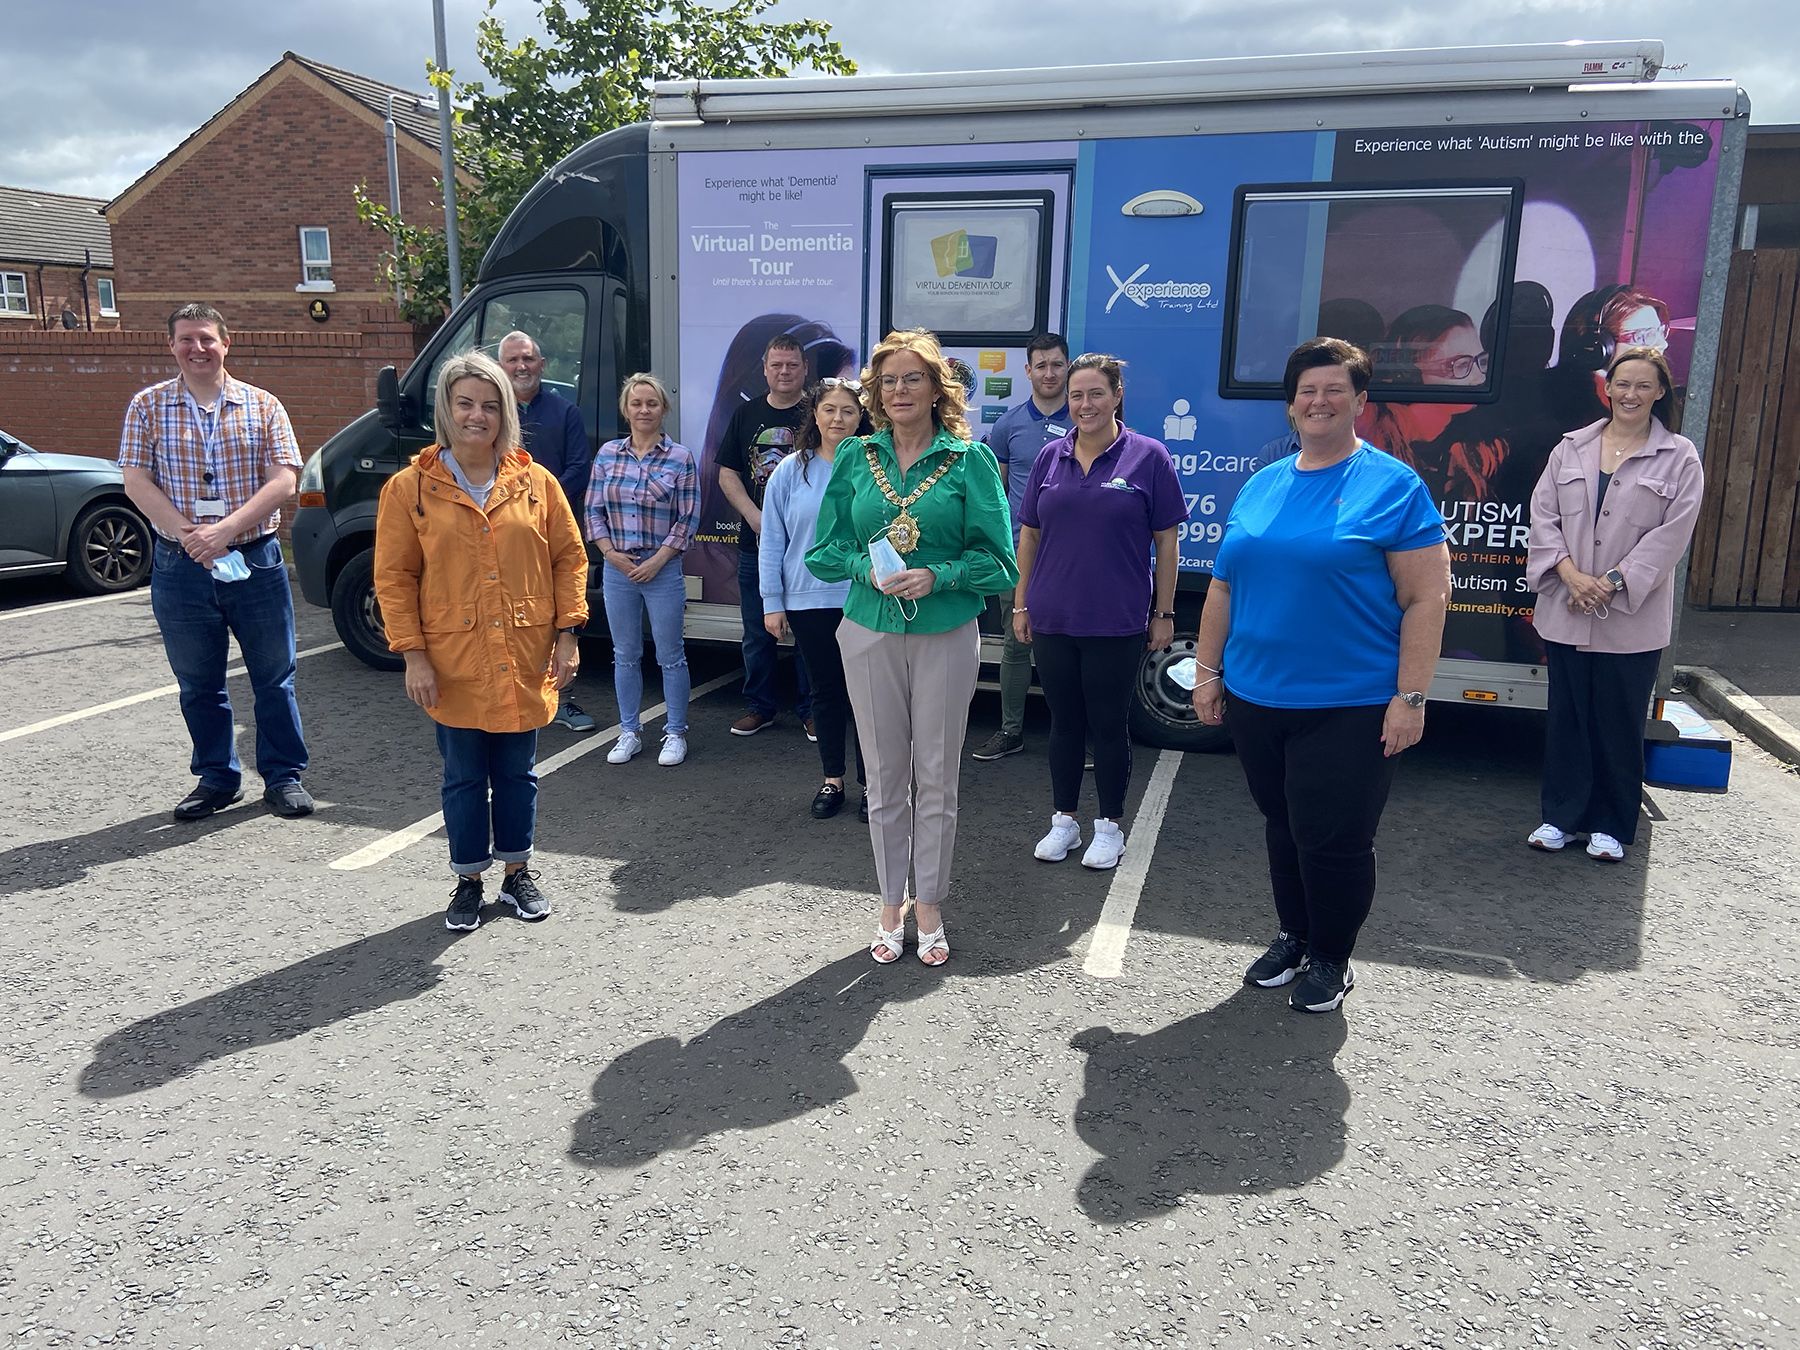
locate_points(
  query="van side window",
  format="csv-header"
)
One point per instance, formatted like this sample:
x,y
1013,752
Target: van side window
x,y
1319,260
556,320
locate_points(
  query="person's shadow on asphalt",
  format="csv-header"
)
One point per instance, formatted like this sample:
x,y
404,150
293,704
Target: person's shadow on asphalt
x,y
50,863
774,1061
1243,1098
347,981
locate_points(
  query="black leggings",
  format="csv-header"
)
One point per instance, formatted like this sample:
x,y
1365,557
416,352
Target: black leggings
x,y
1321,781
1594,739
815,634
1087,683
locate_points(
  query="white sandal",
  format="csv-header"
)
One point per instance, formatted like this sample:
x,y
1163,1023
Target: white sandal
x,y
934,942
888,946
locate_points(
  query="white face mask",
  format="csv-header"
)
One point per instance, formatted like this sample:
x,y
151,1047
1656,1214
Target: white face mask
x,y
885,561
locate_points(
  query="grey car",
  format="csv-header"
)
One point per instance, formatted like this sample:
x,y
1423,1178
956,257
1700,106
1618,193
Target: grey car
x,y
69,514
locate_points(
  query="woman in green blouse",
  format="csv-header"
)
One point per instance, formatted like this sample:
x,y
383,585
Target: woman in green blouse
x,y
911,650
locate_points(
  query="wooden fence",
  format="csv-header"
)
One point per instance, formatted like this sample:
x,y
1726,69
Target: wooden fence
x,y
1747,545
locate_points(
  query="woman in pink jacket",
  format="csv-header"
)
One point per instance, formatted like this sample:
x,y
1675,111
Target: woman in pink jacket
x,y
1610,520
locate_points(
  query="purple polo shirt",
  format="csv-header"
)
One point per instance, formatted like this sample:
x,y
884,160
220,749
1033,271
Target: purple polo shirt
x,y
1092,576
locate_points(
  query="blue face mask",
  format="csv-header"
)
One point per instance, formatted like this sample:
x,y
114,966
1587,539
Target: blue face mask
x,y
231,567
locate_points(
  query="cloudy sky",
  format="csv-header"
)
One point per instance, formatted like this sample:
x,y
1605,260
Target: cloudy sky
x,y
96,91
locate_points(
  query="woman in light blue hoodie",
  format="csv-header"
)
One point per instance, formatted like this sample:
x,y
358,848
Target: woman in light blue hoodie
x,y
796,601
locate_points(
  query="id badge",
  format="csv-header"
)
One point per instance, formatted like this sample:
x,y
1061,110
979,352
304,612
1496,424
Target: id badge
x,y
213,507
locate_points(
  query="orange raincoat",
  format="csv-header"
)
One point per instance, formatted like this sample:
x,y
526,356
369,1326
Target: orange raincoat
x,y
481,592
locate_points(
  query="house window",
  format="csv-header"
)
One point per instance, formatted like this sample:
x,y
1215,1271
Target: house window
x,y
315,258
109,304
12,294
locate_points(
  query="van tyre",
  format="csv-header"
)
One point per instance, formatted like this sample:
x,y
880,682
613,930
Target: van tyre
x,y
109,549
1162,712
358,618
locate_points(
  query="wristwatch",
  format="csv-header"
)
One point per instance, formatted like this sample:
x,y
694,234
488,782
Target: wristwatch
x,y
1615,578
1416,699
568,632
1163,614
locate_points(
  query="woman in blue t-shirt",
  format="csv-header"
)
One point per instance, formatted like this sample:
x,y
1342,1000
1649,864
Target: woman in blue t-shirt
x,y
1323,623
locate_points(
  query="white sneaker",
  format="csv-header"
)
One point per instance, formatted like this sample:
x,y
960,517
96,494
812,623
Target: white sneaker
x,y
674,749
628,744
1108,845
1547,837
1064,835
1605,847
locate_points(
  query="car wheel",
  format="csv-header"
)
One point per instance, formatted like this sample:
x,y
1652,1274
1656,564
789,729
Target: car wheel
x,y
109,549
1162,711
358,618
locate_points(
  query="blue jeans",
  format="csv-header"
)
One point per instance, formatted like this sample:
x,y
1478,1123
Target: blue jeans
x,y
665,598
195,614
761,651
474,761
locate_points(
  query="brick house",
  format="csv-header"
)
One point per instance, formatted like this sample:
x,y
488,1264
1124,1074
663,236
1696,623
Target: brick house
x,y
254,212
56,262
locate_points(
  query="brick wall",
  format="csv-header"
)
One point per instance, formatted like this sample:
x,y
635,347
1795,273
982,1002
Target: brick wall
x,y
67,391
62,286
223,223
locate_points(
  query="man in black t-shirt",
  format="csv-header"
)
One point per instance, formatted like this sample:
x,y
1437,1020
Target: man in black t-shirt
x,y
758,437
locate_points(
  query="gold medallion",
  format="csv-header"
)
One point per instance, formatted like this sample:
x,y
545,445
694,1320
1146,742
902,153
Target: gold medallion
x,y
903,532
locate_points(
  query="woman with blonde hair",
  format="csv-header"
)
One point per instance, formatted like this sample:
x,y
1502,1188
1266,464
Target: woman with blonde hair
x,y
915,519
643,505
482,581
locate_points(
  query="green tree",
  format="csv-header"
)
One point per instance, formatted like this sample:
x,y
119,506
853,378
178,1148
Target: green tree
x,y
592,72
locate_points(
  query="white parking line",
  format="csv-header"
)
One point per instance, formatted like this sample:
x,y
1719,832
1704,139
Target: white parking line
x,y
390,844
1106,951
70,604
63,719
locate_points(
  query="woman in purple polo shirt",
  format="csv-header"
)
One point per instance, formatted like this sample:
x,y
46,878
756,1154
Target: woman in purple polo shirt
x,y
1100,503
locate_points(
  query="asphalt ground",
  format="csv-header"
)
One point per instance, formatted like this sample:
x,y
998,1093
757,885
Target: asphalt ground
x,y
259,1100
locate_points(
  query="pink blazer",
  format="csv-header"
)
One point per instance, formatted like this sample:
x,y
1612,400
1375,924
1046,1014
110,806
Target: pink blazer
x,y
1644,528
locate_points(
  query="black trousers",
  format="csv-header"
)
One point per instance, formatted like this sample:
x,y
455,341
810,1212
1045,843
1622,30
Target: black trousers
x,y
1087,683
1321,782
1594,739
815,634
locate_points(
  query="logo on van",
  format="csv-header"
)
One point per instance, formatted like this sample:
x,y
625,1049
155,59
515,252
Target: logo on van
x,y
961,254
1188,295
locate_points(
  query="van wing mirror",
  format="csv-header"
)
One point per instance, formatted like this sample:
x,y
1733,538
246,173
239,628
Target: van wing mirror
x,y
393,408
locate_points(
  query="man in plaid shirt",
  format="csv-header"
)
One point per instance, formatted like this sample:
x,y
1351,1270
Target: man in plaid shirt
x,y
210,460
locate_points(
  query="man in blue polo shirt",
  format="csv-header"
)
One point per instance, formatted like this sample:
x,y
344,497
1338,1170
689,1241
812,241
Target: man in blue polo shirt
x,y
556,437
1015,440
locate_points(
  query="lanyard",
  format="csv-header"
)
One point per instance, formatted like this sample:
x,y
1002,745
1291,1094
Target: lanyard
x,y
211,436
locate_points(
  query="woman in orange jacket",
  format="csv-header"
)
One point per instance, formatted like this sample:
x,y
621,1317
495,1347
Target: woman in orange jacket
x,y
482,580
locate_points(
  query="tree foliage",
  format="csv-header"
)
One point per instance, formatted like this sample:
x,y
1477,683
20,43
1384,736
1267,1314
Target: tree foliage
x,y
592,72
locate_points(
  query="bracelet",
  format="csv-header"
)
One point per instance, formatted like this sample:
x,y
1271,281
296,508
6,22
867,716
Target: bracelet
x,y
1163,614
1020,609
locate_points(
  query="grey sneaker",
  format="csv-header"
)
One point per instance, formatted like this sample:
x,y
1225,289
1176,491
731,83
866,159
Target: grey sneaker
x,y
999,746
570,717
465,906
520,890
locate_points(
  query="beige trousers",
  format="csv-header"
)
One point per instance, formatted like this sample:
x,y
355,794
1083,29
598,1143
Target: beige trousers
x,y
911,693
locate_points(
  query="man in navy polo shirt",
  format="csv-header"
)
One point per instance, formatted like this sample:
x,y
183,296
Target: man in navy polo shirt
x,y
556,437
1015,440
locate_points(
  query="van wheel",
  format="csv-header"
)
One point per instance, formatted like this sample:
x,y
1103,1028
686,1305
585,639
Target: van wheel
x,y
1162,712
358,618
109,549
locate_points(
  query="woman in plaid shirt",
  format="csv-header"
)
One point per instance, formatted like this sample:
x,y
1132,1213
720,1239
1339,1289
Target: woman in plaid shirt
x,y
643,505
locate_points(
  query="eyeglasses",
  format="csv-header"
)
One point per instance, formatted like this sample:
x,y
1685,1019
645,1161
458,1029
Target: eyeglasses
x,y
831,382
911,380
1657,337
1455,367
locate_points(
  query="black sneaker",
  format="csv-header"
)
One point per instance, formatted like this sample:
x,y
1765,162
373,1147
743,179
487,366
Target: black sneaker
x,y
1322,987
204,801
999,746
1285,959
520,890
289,799
465,905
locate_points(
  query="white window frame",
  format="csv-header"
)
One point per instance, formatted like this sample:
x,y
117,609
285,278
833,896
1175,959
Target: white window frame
x,y
308,282
9,294
108,296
